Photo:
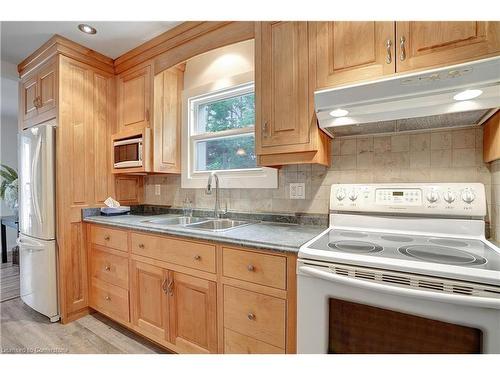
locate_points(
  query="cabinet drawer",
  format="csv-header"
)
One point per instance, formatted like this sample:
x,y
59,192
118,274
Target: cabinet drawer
x,y
109,299
113,238
256,315
236,343
185,253
110,268
269,270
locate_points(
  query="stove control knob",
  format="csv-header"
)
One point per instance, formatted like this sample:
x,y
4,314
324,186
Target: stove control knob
x,y
449,196
468,196
353,195
340,194
432,196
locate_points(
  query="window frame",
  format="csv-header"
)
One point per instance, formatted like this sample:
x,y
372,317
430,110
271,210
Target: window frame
x,y
258,177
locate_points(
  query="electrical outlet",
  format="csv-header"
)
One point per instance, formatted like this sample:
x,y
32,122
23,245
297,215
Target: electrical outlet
x,y
157,189
298,190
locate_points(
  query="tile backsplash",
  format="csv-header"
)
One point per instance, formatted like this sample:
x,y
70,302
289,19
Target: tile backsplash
x,y
427,156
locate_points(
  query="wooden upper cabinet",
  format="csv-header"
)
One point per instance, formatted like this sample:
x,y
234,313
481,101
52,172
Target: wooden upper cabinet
x,y
134,98
104,125
29,96
38,94
431,44
47,85
286,129
167,121
344,52
129,189
148,301
193,318
283,85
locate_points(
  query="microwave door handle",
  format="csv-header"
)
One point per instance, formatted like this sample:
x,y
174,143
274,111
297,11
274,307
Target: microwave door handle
x,y
400,291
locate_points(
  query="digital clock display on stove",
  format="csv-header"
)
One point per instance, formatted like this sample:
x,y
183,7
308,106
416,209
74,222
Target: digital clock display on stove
x,y
397,193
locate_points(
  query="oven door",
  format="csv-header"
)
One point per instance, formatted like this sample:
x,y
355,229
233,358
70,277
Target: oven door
x,y
128,153
343,314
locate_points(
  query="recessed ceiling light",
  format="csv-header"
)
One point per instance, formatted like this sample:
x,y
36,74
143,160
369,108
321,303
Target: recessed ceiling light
x,y
87,29
338,113
467,94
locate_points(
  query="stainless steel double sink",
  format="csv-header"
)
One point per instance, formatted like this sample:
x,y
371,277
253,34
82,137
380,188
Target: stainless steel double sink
x,y
201,223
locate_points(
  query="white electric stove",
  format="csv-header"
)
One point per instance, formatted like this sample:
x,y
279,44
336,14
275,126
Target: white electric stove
x,y
415,249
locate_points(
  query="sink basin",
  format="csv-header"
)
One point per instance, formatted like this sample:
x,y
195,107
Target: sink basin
x,y
219,225
179,220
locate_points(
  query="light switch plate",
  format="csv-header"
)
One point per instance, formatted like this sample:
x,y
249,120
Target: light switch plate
x,y
298,190
157,189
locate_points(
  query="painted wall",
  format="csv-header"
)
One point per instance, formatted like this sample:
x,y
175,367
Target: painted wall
x,y
8,129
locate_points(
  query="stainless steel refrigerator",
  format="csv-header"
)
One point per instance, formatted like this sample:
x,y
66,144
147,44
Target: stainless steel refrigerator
x,y
37,219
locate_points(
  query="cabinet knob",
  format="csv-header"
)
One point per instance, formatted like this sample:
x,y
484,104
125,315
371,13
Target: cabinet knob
x,y
264,129
106,237
141,246
251,316
107,267
251,267
197,257
107,298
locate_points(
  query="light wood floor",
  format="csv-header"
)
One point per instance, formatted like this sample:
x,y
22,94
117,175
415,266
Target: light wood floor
x,y
23,330
9,279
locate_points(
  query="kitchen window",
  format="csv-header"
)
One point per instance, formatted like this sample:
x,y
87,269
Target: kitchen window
x,y
221,138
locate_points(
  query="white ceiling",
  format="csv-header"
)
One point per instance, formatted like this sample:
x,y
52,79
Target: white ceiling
x,y
19,39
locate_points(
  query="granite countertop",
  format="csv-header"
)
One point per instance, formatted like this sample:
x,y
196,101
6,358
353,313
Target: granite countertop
x,y
283,237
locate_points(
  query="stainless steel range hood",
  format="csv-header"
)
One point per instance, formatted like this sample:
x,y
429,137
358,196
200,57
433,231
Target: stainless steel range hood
x,y
415,101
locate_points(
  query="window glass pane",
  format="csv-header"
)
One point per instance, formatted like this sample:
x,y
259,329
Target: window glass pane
x,y
224,114
226,153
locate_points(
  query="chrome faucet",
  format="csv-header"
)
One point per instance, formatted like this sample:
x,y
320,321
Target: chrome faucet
x,y
209,189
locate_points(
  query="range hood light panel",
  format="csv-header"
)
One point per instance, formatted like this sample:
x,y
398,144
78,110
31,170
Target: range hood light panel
x,y
339,112
467,94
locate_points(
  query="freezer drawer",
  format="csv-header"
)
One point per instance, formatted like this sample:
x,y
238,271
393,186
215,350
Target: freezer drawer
x,y
38,275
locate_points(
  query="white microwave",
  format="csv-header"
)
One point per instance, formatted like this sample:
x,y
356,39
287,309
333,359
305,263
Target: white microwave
x,y
128,153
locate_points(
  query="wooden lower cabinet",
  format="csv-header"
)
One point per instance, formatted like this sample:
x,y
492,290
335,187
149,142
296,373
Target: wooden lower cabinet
x,y
241,301
149,303
193,313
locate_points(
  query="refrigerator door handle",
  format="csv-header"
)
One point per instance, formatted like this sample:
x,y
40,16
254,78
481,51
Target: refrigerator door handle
x,y
34,181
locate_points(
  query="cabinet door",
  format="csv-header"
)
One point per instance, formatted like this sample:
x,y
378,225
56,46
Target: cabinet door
x,y
134,97
282,87
192,303
167,121
430,44
129,189
149,302
28,98
343,52
47,88
103,86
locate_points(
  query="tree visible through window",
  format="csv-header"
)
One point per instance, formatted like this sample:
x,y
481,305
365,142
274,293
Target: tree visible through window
x,y
223,130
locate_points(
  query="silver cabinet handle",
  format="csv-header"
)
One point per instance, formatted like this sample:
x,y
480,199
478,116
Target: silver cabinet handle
x,y
106,237
251,316
107,267
107,298
197,257
388,56
141,246
264,129
251,267
402,55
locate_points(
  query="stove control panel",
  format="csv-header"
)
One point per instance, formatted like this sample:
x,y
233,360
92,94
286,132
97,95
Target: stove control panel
x,y
449,199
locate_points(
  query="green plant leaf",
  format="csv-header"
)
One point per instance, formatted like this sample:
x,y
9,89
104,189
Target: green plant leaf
x,y
10,171
3,186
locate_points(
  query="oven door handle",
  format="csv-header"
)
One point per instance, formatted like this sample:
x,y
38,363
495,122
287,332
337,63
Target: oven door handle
x,y
485,302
